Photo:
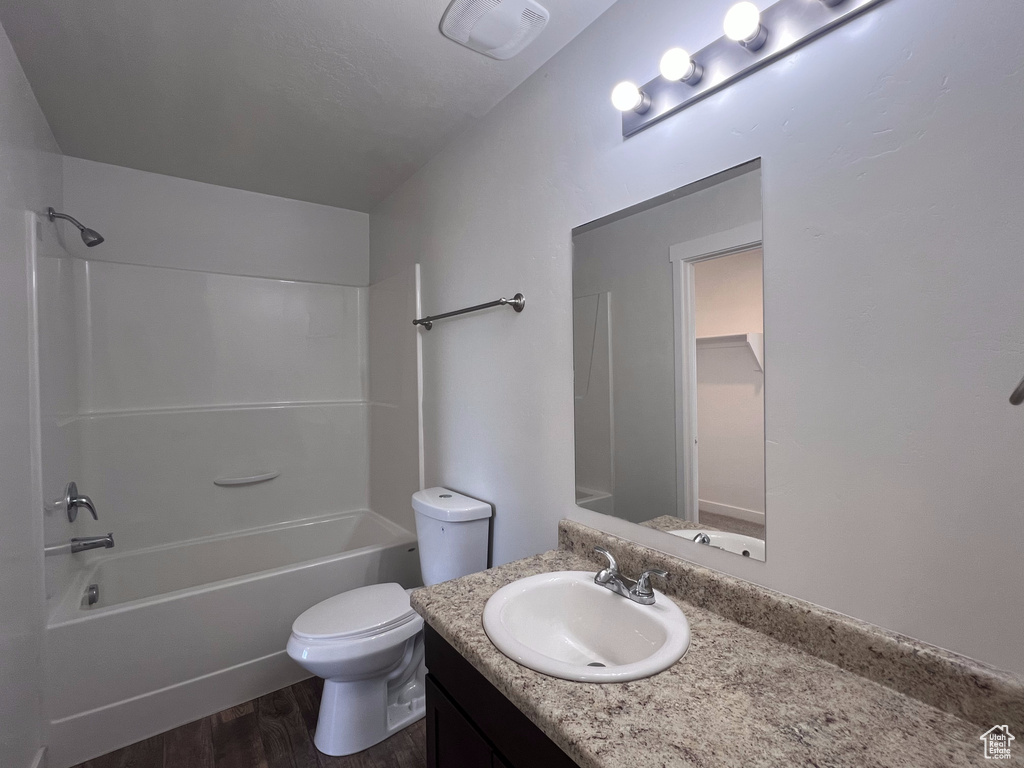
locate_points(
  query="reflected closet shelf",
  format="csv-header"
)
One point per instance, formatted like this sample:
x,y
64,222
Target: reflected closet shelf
x,y
753,341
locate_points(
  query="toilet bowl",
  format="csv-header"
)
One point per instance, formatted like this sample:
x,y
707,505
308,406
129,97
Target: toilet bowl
x,y
367,643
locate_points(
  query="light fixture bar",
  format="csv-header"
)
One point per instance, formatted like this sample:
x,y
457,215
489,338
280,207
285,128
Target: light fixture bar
x,y
789,24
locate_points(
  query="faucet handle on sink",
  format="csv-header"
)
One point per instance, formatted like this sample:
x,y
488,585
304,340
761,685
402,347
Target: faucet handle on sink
x,y
643,586
605,574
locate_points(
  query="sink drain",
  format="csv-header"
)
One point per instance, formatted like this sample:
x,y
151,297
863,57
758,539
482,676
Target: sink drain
x,y
595,664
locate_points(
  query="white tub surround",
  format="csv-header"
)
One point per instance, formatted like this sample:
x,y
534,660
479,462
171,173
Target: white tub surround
x,y
182,378
154,473
182,631
155,338
216,335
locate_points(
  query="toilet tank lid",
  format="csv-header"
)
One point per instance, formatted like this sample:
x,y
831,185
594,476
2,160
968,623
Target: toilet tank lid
x,y
444,504
359,612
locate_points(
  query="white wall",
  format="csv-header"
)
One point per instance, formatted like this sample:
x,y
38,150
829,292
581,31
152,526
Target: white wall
x,y
162,221
629,257
728,294
31,172
891,227
728,300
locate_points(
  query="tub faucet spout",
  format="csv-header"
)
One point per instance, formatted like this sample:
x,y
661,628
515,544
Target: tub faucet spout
x,y
92,542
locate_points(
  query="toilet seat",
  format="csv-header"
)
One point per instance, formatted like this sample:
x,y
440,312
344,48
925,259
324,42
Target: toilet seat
x,y
356,633
359,613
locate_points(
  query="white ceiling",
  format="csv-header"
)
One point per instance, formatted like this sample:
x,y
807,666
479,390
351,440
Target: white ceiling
x,y
331,101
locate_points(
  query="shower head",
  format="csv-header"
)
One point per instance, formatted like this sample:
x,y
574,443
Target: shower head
x,y
89,236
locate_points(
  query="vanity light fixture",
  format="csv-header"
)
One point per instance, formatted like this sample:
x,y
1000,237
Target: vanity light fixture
x,y
743,25
626,97
677,64
763,36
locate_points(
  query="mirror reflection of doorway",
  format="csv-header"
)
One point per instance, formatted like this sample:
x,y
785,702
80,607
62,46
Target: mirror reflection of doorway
x,y
635,360
728,311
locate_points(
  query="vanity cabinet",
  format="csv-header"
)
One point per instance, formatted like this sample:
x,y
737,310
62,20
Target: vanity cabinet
x,y
470,724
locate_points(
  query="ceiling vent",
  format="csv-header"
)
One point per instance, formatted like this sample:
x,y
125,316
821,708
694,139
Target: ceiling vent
x,y
496,28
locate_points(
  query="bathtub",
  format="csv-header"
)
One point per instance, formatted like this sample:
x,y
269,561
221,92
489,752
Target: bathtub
x,y
180,632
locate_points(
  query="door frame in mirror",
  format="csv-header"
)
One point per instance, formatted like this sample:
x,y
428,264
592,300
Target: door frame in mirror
x,y
684,257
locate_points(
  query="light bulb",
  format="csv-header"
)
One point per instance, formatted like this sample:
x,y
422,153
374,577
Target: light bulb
x,y
743,24
742,21
676,64
626,97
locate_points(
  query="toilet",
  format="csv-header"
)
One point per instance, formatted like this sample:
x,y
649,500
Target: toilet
x,y
367,643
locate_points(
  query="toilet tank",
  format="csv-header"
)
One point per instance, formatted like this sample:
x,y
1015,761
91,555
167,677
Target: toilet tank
x,y
453,531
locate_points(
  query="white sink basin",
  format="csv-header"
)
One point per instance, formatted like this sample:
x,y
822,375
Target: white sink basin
x,y
747,546
565,625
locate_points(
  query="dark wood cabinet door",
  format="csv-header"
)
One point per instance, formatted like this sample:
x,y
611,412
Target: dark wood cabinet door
x,y
514,741
451,738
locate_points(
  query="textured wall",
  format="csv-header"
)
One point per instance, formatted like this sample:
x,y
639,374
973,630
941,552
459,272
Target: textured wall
x,y
891,226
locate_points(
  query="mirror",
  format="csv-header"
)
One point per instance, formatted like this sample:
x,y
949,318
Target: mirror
x,y
669,359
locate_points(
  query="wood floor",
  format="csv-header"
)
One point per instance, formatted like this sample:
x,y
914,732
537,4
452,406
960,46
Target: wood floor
x,y
273,731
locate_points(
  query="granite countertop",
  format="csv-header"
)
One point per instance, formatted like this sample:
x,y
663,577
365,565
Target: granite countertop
x,y
737,698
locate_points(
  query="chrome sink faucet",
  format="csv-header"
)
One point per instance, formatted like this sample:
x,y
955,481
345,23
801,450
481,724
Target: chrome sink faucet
x,y
639,591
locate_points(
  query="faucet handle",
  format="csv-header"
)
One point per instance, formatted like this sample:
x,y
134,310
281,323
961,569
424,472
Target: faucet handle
x,y
605,574
72,501
85,501
643,586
